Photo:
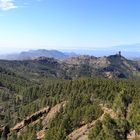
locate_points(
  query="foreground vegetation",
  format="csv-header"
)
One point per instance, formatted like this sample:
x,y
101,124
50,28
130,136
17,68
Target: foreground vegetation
x,y
20,99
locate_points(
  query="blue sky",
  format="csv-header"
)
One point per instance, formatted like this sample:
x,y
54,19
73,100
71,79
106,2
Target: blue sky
x,y
69,24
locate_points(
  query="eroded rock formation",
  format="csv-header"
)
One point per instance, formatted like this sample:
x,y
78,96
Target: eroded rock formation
x,y
31,119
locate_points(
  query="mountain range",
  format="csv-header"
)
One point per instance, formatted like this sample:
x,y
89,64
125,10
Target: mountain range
x,y
27,55
113,66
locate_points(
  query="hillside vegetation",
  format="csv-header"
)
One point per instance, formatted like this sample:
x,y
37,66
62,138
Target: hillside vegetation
x,y
37,104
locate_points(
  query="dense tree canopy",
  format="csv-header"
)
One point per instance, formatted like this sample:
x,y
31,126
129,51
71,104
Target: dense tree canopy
x,y
20,97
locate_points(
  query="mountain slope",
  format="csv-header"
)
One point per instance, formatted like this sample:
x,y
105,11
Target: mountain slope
x,y
110,67
114,66
88,100
34,69
32,91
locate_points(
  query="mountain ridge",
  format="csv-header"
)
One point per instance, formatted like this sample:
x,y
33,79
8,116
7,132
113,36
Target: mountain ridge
x,y
113,66
32,54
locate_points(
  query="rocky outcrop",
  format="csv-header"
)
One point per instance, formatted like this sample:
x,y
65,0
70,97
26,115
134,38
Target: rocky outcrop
x,y
40,134
82,132
132,135
52,113
83,59
109,111
31,119
46,115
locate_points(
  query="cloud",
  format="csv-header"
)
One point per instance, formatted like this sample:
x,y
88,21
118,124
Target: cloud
x,y
7,5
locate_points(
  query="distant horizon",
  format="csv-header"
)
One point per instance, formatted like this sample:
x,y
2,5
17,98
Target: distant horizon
x,y
130,53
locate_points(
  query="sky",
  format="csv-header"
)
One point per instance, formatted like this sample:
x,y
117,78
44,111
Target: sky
x,y
69,25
